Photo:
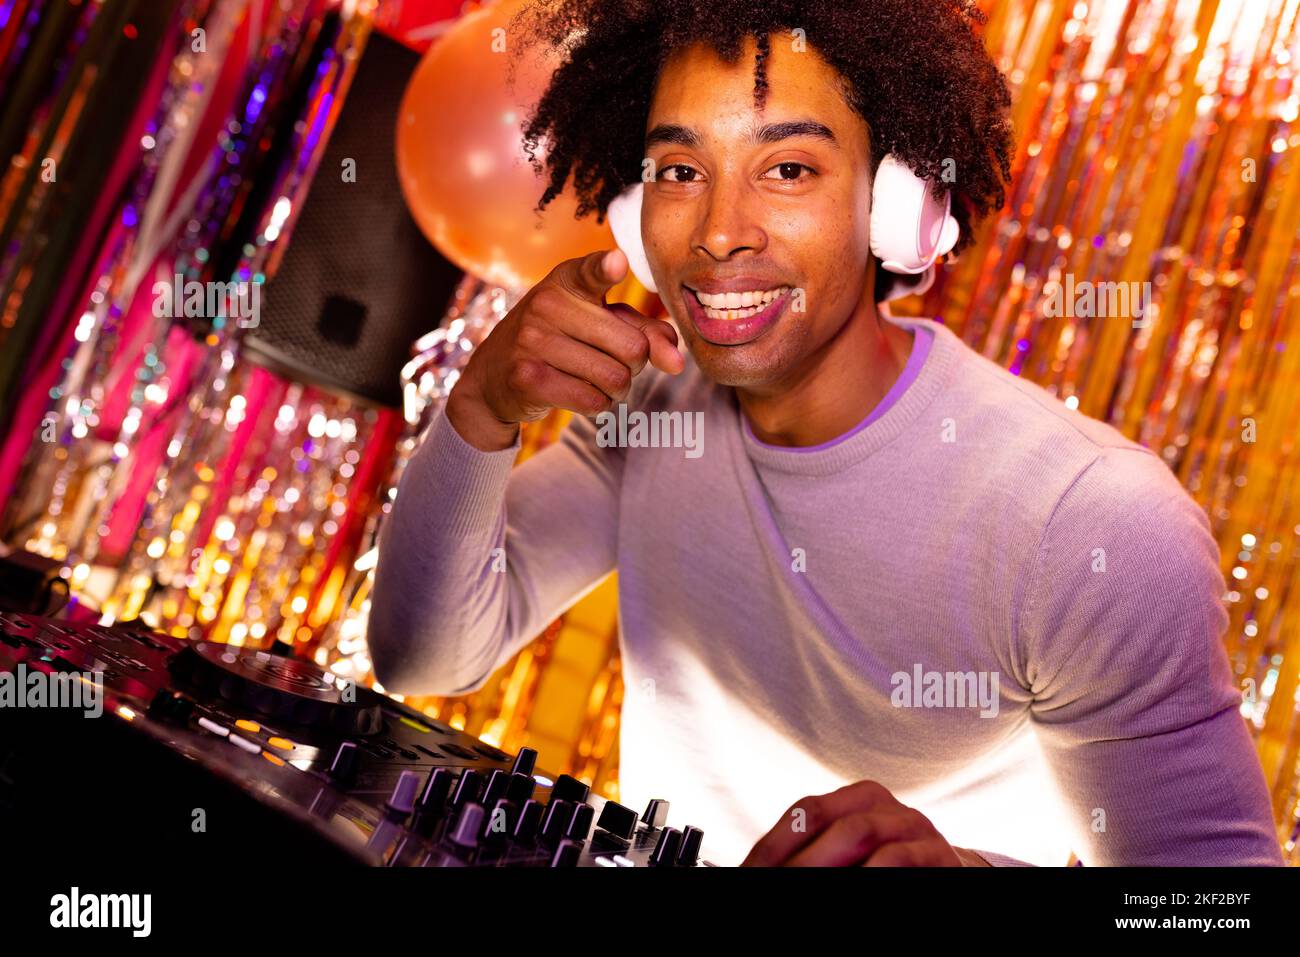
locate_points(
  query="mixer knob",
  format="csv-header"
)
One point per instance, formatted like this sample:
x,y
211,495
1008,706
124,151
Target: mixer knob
x,y
569,788
520,787
656,814
501,822
497,782
160,703
559,814
617,820
692,838
436,789
343,769
530,816
580,826
665,852
466,788
169,706
566,854
525,761
402,801
469,826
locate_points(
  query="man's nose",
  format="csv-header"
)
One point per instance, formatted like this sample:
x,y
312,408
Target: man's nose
x,y
729,221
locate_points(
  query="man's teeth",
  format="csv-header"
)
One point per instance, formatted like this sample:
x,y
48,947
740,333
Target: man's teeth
x,y
738,305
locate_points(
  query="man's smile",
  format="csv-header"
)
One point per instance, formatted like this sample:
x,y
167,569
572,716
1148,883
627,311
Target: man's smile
x,y
730,318
734,298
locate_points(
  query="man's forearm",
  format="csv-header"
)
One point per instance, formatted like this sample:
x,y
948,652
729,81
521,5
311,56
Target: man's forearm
x,y
467,571
438,613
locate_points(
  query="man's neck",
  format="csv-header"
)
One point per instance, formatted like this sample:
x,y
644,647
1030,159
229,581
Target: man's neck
x,y
837,388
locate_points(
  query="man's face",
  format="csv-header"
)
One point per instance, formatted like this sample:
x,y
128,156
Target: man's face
x,y
740,203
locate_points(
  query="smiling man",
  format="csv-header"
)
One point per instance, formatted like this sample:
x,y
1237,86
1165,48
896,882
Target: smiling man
x,y
905,608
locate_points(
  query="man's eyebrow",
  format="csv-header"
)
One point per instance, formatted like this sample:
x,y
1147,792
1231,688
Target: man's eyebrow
x,y
672,133
775,132
769,133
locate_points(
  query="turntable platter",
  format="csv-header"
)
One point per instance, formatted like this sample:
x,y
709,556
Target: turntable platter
x,y
289,689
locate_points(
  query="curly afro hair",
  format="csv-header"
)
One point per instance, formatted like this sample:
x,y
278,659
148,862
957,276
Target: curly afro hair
x,y
915,70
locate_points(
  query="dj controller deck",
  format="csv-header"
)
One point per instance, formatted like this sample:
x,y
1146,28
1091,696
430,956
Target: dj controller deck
x,y
207,751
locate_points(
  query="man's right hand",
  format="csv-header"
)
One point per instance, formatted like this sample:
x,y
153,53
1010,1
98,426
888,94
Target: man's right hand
x,y
560,347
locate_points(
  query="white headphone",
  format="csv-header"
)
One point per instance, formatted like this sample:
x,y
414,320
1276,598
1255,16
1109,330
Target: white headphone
x,y
910,229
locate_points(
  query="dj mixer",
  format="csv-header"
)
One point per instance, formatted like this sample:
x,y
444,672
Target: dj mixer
x,y
203,751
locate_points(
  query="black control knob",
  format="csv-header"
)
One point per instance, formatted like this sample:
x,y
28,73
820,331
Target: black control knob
x,y
689,855
656,814
158,706
402,801
520,787
436,788
469,826
666,848
569,788
501,821
497,783
466,788
617,820
566,854
530,817
580,826
169,706
525,762
559,814
343,769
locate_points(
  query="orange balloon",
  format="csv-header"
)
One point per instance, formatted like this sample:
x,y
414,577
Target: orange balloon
x,y
461,163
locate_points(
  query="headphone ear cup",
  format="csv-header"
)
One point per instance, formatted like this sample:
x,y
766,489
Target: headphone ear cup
x,y
624,214
910,229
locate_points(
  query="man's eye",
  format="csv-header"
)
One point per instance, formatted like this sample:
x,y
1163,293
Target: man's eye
x,y
793,169
678,166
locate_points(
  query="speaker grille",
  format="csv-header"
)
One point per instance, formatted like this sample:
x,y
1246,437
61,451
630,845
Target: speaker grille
x,y
359,283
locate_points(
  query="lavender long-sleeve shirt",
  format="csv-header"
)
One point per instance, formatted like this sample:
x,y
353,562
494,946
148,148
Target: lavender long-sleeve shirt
x,y
1002,610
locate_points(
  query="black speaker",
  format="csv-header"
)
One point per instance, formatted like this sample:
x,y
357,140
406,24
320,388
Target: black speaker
x,y
359,283
30,583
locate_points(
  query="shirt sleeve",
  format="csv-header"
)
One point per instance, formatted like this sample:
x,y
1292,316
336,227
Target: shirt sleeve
x,y
478,556
1121,643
